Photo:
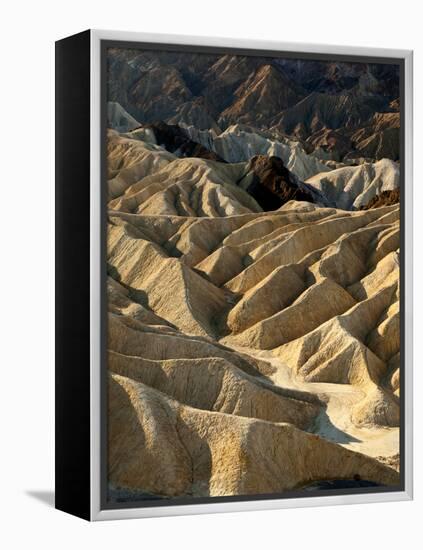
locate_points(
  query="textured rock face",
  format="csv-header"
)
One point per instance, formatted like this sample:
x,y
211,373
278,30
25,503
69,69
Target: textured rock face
x,y
249,351
119,119
352,187
175,139
260,98
185,183
150,180
333,77
320,110
329,144
195,112
241,143
210,92
204,453
158,93
385,198
380,138
272,184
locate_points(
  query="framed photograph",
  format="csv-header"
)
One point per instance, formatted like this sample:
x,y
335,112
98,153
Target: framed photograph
x,y
234,275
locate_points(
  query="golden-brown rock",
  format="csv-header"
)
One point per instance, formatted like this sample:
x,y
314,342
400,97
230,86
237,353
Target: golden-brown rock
x,y
249,352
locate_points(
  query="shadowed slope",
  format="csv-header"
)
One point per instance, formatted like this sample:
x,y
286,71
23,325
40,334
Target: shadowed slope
x,y
159,445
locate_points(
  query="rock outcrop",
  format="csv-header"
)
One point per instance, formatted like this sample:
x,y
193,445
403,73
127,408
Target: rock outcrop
x,y
352,187
385,198
118,119
176,140
271,184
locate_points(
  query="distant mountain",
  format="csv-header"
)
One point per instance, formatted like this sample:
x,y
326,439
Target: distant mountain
x,y
380,138
158,93
195,112
260,98
320,110
119,119
295,98
224,78
365,79
329,144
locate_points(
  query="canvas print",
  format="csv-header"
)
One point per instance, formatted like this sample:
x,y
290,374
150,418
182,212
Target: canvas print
x,y
253,263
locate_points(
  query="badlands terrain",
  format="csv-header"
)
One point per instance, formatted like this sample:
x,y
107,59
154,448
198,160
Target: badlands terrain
x,y
253,275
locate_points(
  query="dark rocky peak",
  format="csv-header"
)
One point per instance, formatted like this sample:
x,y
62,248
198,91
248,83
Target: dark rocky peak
x,y
272,184
176,140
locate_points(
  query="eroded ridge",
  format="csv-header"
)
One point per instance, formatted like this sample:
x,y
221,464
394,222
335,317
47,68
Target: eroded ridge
x,y
249,351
